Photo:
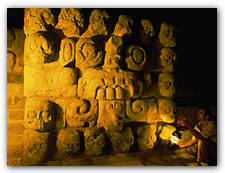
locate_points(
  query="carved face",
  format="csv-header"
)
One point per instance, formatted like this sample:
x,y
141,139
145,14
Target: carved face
x,y
39,49
68,141
121,141
167,35
39,114
166,84
94,141
167,59
167,110
123,26
38,19
146,31
71,21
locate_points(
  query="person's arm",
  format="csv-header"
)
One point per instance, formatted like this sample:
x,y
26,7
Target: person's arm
x,y
188,143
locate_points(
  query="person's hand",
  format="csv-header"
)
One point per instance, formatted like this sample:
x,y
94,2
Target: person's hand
x,y
184,123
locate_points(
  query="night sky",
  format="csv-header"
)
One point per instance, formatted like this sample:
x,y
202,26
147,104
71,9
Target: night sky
x,y
196,69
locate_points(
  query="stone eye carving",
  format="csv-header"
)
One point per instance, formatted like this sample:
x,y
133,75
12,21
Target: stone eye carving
x,y
88,54
146,31
39,114
167,35
38,19
167,109
166,84
167,59
136,58
71,21
39,49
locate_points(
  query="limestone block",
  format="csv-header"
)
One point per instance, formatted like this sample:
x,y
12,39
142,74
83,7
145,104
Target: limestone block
x,y
94,141
68,141
167,59
146,137
113,56
82,113
67,51
123,26
50,80
166,84
146,31
109,84
142,110
39,49
39,114
71,22
165,131
167,35
15,77
111,114
136,58
36,147
38,19
15,95
88,54
167,109
121,141
98,24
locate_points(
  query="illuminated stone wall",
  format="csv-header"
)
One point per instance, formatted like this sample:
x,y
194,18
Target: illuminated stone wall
x,y
92,86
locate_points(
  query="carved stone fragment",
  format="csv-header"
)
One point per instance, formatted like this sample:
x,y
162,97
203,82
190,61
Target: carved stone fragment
x,y
121,141
167,35
39,114
146,31
166,84
38,19
123,26
68,141
167,59
94,141
82,113
146,137
136,58
71,22
11,61
167,110
165,131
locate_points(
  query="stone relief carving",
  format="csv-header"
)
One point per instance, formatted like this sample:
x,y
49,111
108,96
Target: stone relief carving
x,y
146,31
167,35
167,110
166,84
123,26
167,59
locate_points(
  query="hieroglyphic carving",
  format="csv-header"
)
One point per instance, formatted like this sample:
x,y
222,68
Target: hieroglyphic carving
x,y
167,110
146,31
68,142
166,84
39,114
94,141
167,35
167,59
38,19
136,58
71,22
82,113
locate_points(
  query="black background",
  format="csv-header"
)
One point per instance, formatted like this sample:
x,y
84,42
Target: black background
x,y
196,69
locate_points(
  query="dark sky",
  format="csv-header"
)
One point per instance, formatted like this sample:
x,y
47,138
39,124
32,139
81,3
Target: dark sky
x,y
196,70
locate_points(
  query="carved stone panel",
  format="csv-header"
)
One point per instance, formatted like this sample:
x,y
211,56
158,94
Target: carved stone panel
x,y
146,31
167,110
167,35
167,59
166,84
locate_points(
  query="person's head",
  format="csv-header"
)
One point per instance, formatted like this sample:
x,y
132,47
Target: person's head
x,y
202,114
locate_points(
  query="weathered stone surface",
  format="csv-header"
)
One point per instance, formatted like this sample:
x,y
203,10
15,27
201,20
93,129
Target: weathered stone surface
x,y
121,141
38,19
146,137
11,36
123,26
36,147
15,77
67,51
15,95
68,141
167,109
71,22
165,131
167,35
11,61
146,31
98,24
113,84
111,114
166,84
88,54
94,141
136,58
39,114
167,59
50,80
82,113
